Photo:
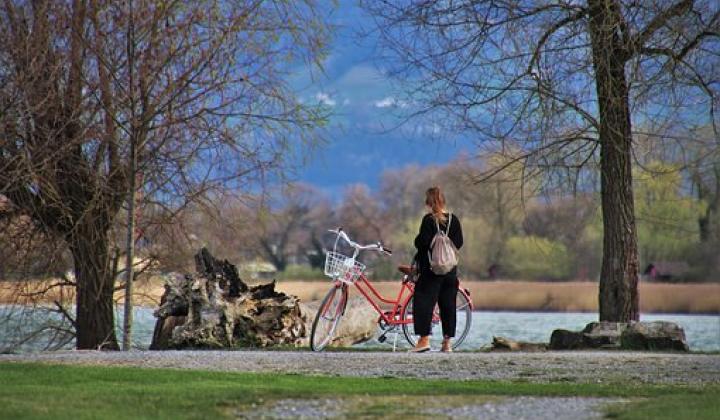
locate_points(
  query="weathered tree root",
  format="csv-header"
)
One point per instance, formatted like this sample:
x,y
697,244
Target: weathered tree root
x,y
216,309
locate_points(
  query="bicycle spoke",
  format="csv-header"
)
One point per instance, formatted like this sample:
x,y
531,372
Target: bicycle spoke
x,y
463,316
327,318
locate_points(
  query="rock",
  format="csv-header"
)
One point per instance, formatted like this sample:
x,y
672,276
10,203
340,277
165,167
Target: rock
x,y
603,335
359,324
506,344
656,335
566,340
215,309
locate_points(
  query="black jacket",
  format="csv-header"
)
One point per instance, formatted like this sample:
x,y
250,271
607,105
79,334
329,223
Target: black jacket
x,y
428,229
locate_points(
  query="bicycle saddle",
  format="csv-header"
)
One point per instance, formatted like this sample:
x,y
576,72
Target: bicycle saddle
x,y
406,269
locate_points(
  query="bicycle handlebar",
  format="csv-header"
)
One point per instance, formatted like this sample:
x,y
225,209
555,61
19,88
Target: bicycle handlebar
x,y
372,247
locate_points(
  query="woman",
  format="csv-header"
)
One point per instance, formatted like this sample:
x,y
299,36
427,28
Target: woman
x,y
431,288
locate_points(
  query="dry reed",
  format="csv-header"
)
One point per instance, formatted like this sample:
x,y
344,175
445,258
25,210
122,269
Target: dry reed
x,y
503,295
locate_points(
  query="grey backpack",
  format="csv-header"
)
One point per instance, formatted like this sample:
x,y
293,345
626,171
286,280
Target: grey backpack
x,y
443,255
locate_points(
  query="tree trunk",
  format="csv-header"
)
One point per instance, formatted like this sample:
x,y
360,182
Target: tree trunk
x,y
130,257
619,300
95,327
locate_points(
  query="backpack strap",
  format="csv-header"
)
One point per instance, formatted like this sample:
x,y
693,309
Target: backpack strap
x,y
437,224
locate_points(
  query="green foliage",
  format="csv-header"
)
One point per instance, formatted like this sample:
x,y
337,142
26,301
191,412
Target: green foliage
x,y
587,254
382,269
536,258
502,203
667,220
476,255
403,238
300,272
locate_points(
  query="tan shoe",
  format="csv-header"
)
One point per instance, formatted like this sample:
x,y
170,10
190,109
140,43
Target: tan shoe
x,y
422,345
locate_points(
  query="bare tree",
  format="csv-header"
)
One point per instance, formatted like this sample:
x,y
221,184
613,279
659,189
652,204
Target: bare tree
x,y
291,224
704,171
196,88
33,315
562,82
280,228
362,214
321,218
402,191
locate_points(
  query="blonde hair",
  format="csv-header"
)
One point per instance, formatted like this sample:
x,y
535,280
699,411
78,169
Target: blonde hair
x,y
435,199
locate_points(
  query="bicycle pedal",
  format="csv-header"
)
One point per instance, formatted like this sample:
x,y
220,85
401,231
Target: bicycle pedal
x,y
382,339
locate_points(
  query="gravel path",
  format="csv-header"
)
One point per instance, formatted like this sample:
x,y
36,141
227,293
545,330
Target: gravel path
x,y
518,408
535,367
572,408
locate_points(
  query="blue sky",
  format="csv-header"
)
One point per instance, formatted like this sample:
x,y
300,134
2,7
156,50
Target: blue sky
x,y
364,137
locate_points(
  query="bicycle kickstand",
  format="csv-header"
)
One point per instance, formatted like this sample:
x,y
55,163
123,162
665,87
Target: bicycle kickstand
x,y
383,336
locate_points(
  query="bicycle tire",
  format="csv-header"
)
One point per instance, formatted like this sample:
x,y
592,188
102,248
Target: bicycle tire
x,y
316,342
462,302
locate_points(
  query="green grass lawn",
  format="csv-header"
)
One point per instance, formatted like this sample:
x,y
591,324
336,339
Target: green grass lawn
x,y
77,392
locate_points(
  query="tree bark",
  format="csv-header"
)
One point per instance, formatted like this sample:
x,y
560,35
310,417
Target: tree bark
x,y
130,250
619,299
95,309
132,178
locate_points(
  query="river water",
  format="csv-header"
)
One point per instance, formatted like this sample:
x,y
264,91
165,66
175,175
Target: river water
x,y
702,331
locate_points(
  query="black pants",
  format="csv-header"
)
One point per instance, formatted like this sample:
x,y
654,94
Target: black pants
x,y
432,289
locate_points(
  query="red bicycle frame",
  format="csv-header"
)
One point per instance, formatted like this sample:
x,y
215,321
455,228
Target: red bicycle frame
x,y
395,315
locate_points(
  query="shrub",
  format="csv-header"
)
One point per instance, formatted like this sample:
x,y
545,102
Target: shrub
x,y
300,272
531,257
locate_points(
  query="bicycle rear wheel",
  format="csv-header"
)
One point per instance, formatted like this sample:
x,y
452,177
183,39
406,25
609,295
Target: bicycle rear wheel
x,y
463,317
328,317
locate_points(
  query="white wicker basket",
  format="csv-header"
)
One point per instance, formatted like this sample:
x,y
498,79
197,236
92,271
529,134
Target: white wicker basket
x,y
342,267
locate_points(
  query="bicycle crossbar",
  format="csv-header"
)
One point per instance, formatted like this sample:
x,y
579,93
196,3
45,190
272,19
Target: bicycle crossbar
x,y
397,303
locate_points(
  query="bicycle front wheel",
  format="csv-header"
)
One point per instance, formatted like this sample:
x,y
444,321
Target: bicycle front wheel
x,y
463,322
328,317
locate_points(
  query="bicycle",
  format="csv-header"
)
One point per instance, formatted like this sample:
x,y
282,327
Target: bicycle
x,y
346,271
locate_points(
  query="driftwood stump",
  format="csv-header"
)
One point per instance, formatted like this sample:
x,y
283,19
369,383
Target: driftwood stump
x,y
214,308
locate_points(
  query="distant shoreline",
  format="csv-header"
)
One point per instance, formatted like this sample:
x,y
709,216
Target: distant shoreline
x,y
500,295
574,296
590,312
